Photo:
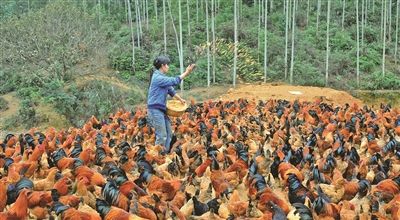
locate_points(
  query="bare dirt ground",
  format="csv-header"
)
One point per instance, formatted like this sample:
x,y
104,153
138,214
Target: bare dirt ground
x,y
280,91
12,102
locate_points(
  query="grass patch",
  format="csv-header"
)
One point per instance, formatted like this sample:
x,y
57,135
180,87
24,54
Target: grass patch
x,y
3,104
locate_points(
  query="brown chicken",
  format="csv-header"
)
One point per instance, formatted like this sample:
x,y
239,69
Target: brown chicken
x,y
63,186
19,210
334,191
48,182
39,198
386,189
94,177
108,212
68,213
39,212
3,193
269,196
236,206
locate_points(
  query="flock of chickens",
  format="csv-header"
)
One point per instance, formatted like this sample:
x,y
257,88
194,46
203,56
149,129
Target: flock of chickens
x,y
241,159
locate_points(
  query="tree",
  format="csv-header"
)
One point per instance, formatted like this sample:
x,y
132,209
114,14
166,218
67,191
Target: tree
x,y
132,35
384,38
286,35
327,43
373,6
318,12
358,46
343,12
165,28
177,41
236,42
188,22
197,11
366,13
208,47
98,10
126,9
213,14
156,10
258,30
308,11
109,7
362,23
180,41
389,18
382,18
397,31
146,12
293,28
138,22
265,41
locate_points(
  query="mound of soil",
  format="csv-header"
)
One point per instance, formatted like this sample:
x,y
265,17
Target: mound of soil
x,y
288,92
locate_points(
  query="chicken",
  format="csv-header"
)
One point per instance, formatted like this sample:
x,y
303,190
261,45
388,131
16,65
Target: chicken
x,y
138,209
39,198
347,210
397,126
297,192
168,189
113,196
48,182
386,189
94,177
334,192
325,209
63,185
268,195
300,211
352,188
39,213
68,213
236,206
187,208
285,169
81,190
19,210
218,180
3,193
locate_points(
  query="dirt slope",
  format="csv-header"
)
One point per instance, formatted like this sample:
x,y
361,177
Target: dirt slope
x,y
302,93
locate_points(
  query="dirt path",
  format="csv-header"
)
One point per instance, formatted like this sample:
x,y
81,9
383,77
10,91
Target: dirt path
x,y
112,80
13,103
302,93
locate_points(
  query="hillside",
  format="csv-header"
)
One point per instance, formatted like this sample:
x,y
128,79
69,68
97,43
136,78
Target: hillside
x,y
216,92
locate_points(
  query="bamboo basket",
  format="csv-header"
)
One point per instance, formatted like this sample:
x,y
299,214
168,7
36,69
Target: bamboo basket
x,y
175,108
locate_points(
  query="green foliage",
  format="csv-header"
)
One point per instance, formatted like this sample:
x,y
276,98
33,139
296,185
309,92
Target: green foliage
x,y
8,81
247,67
27,113
378,81
47,43
93,98
307,75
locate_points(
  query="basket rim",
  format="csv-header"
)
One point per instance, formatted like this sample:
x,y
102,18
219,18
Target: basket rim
x,y
169,109
174,113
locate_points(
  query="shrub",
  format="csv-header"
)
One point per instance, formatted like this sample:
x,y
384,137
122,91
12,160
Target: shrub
x,y
27,113
378,81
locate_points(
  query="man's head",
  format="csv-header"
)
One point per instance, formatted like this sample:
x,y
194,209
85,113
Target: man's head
x,y
161,63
